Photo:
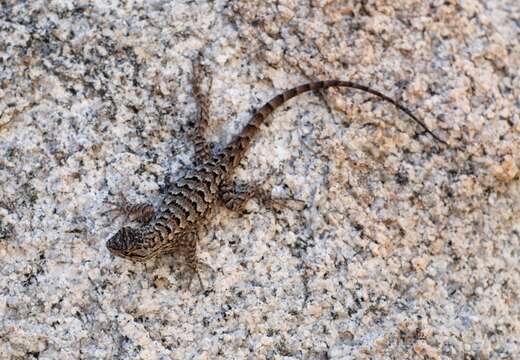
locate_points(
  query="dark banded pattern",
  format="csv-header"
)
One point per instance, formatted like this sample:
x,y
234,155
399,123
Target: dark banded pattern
x,y
239,145
188,202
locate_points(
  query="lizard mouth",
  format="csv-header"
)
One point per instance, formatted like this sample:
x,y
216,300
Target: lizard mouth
x,y
133,257
127,255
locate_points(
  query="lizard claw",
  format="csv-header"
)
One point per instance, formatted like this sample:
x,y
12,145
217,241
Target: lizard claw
x,y
279,203
141,212
194,270
119,208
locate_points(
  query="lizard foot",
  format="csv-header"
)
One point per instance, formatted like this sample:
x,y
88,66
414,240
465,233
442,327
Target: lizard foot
x,y
141,212
193,270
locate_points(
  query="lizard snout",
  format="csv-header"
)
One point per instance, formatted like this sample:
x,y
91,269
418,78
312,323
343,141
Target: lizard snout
x,y
119,241
128,243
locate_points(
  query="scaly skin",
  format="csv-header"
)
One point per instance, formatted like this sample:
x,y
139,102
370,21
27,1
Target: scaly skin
x,y
187,205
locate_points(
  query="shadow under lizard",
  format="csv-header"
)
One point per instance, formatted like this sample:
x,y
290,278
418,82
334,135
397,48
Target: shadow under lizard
x,y
174,227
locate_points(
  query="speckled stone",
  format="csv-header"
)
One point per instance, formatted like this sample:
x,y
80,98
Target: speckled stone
x,y
405,249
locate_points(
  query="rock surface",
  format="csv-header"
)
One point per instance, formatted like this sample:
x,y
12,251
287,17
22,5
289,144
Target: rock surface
x,y
406,249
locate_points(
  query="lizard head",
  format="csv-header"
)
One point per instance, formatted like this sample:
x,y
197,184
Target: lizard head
x,y
128,243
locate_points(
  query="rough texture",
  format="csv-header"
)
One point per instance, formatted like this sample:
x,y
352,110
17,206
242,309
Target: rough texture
x,y
405,249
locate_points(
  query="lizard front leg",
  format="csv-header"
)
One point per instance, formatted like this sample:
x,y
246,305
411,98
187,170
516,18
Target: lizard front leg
x,y
140,212
191,261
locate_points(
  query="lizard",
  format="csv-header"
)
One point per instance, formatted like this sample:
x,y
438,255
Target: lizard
x,y
187,204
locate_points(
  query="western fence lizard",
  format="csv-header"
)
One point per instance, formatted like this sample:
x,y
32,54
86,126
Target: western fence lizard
x,y
174,226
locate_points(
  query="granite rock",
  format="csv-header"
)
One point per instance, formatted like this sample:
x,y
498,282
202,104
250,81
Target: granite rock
x,y
405,249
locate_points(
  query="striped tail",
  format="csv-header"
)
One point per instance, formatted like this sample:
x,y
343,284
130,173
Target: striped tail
x,y
238,146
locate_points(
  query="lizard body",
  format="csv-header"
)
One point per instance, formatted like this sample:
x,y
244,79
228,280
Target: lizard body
x,y
174,227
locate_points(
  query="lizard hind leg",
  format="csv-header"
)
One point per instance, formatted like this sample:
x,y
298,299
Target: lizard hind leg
x,y
235,197
203,148
140,212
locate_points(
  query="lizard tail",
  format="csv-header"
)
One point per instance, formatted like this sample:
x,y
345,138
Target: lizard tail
x,y
243,140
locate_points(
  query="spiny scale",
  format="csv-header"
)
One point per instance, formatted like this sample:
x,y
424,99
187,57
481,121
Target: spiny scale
x,y
188,203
